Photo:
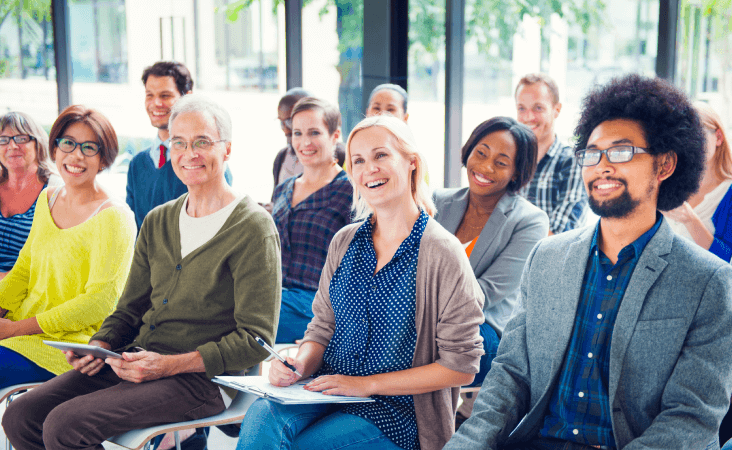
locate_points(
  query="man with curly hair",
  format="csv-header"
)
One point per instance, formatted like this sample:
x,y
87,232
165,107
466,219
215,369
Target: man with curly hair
x,y
621,335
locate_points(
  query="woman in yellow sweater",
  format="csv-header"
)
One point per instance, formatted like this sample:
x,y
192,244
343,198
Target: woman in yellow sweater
x,y
74,265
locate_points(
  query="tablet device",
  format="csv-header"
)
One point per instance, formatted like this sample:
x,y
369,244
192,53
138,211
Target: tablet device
x,y
83,349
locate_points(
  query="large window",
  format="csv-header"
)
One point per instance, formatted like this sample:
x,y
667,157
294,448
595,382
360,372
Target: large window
x,y
426,83
577,49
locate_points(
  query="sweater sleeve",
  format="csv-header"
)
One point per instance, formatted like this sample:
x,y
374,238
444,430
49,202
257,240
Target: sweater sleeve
x,y
257,291
14,287
108,266
121,327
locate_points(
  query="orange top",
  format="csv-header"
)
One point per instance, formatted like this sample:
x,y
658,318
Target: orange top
x,y
469,248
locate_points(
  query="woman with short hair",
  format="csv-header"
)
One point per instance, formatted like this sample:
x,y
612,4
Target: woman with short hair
x,y
396,316
497,227
388,98
24,172
74,264
706,217
308,210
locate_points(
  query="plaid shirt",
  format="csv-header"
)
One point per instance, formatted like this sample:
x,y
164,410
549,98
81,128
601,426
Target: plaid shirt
x,y
557,188
307,229
579,410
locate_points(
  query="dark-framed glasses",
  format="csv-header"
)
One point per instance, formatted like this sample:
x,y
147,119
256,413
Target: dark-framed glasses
x,y
19,139
68,145
203,145
618,154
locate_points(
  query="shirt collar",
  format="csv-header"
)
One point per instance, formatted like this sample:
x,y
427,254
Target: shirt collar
x,y
365,230
554,148
635,248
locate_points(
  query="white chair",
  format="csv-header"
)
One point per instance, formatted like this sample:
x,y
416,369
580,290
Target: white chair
x,y
8,394
138,439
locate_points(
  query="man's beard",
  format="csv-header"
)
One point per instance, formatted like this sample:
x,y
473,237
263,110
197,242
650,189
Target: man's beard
x,y
616,208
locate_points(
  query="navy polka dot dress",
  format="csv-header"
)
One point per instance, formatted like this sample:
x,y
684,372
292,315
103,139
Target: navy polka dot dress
x,y
375,330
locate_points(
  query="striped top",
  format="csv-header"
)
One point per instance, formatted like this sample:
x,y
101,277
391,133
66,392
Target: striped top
x,y
13,234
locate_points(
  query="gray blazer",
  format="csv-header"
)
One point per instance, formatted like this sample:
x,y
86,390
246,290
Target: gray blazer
x,y
670,361
502,248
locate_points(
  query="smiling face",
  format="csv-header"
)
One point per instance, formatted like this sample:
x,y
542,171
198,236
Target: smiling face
x,y
387,100
196,167
76,169
310,139
18,157
618,190
382,174
492,164
160,96
536,109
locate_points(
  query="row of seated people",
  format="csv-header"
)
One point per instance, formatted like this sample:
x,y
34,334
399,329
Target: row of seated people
x,y
500,157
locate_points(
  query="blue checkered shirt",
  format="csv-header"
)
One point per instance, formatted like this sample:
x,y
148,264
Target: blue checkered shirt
x,y
579,410
557,188
307,229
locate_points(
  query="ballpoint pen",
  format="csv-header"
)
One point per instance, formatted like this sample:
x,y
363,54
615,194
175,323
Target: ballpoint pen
x,y
261,342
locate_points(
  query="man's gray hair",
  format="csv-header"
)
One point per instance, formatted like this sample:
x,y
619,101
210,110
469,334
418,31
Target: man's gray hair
x,y
200,104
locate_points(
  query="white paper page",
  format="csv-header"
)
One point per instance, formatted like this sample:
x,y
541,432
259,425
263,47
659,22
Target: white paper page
x,y
295,393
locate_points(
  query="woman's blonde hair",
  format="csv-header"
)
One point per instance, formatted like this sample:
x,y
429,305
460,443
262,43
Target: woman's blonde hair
x,y
407,146
723,154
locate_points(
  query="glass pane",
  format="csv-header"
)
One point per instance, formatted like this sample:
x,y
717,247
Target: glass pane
x,y
705,54
578,50
27,70
332,49
426,83
234,53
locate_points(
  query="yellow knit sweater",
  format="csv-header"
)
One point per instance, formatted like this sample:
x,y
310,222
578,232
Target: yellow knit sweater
x,y
69,279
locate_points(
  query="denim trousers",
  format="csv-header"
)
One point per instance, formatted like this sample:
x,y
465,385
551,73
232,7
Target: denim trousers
x,y
17,369
296,312
490,347
270,425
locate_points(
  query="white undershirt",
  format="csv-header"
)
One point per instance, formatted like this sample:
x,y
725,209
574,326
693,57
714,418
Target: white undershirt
x,y
705,210
196,231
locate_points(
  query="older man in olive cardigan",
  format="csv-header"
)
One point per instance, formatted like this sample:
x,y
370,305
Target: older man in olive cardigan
x,y
205,281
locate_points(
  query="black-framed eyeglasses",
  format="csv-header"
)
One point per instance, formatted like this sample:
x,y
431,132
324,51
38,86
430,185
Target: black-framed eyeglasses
x,y
203,145
68,145
19,139
618,154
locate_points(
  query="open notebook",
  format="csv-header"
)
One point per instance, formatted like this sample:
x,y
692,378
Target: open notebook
x,y
291,395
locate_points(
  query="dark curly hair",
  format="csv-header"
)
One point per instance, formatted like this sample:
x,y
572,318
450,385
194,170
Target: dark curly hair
x,y
523,138
668,119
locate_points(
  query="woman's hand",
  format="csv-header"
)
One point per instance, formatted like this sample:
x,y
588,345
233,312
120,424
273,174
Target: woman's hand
x,y
87,365
683,214
280,375
342,385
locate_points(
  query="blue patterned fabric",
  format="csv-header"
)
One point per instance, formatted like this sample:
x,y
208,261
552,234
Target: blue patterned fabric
x,y
307,229
14,232
722,219
579,410
375,329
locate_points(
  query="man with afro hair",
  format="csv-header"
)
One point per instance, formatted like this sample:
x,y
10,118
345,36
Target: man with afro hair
x,y
621,336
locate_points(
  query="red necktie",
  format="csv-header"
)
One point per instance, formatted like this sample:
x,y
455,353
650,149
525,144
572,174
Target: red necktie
x,y
162,156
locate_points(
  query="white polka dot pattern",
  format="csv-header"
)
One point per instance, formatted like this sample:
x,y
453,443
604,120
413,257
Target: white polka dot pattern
x,y
375,329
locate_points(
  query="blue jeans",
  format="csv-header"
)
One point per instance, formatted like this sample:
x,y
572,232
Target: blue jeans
x,y
490,347
270,425
296,313
17,369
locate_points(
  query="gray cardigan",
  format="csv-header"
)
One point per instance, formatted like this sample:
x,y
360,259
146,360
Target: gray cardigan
x,y
670,362
500,253
448,313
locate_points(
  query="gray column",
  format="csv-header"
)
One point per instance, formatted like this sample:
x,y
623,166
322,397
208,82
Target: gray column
x,y
62,52
667,25
454,50
293,42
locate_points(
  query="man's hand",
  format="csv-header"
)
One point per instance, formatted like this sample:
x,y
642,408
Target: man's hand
x,y
141,366
87,365
341,385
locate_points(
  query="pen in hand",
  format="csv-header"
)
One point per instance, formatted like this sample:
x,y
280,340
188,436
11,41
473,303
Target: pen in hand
x,y
261,342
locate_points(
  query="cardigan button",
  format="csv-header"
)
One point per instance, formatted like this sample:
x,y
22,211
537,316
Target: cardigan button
x,y
152,327
165,301
178,267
